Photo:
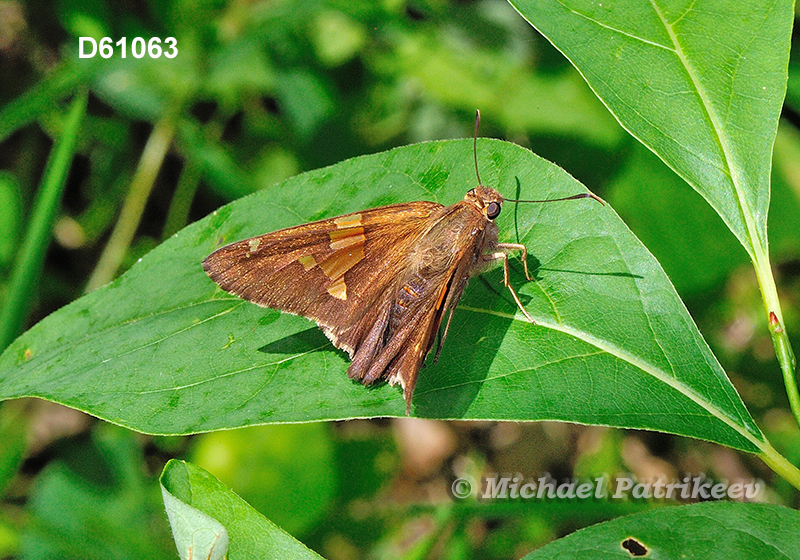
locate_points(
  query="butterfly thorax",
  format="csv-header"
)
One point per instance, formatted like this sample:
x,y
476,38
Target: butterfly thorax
x,y
460,233
446,255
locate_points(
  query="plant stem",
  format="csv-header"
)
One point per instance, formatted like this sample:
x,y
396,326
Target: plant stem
x,y
780,339
30,259
178,214
131,214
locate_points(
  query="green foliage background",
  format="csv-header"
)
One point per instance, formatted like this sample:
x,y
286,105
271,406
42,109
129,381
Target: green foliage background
x,y
259,93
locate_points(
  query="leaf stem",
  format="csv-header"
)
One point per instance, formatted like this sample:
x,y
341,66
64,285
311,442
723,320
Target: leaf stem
x,y
30,259
131,214
780,338
779,464
178,214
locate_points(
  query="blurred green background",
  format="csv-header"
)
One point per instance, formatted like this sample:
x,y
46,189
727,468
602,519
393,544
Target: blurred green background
x,y
261,91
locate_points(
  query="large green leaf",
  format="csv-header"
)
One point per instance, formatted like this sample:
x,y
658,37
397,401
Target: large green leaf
x,y
701,83
707,531
163,350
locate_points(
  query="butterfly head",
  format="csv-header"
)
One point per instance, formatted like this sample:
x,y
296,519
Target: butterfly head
x,y
487,200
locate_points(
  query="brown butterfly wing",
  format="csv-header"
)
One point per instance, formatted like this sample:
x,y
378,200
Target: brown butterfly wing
x,y
394,339
332,271
377,282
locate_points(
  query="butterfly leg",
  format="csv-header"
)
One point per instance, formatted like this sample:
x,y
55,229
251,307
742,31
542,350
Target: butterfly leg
x,y
522,249
504,256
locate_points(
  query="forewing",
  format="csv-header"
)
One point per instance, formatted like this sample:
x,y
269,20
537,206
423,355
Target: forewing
x,y
332,271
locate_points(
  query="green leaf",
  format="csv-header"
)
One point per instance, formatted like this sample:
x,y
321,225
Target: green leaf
x,y
163,350
110,511
700,83
690,241
200,506
197,535
707,531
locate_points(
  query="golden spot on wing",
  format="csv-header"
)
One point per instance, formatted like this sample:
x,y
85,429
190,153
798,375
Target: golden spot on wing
x,y
307,261
345,222
349,232
350,237
338,289
340,262
254,243
347,242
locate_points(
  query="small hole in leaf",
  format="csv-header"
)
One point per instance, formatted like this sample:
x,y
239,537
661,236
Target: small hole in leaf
x,y
635,547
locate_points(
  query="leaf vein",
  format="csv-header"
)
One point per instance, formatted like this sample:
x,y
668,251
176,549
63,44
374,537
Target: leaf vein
x,y
646,367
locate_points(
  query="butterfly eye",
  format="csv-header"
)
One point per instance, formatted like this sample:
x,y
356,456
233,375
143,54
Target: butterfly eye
x,y
493,210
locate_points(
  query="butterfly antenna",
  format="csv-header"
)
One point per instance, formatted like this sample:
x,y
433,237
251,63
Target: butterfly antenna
x,y
478,174
573,197
475,144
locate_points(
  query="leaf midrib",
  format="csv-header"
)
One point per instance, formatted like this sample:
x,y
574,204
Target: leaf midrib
x,y
720,136
635,361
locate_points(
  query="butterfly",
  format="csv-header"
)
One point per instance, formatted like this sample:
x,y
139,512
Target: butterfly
x,y
378,282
